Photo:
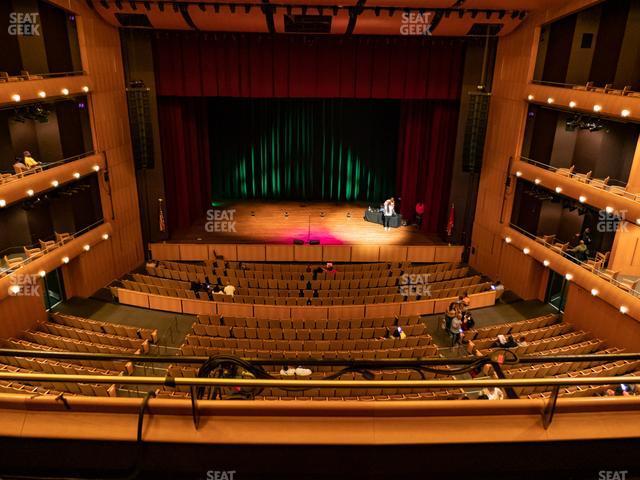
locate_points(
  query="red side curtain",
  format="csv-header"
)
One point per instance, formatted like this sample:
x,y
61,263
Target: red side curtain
x,y
184,135
426,146
261,66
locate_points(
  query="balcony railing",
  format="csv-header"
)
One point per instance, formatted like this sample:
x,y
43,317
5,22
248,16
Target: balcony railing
x,y
8,177
588,87
591,265
617,187
248,373
13,258
39,76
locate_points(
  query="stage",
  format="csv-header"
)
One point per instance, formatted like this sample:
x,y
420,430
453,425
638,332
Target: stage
x,y
283,222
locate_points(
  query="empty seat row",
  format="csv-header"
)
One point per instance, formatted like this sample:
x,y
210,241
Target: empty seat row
x,y
311,345
264,333
150,334
411,352
512,328
529,335
134,344
321,324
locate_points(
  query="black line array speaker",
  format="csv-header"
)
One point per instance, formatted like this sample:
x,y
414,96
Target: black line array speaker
x,y
475,131
140,125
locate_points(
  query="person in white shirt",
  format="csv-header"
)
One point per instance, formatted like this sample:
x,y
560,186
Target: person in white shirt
x,y
388,210
494,393
229,289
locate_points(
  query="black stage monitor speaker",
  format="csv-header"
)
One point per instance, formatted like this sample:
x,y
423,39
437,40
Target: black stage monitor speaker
x,y
314,242
297,241
475,131
140,125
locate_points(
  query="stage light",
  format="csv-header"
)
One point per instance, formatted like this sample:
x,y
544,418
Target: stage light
x,y
537,181
550,100
597,108
624,309
3,203
105,236
64,91
572,104
518,174
76,175
30,192
96,168
85,89
625,113
558,189
42,94
582,199
55,183
86,248
546,263
507,239
609,210
569,276
594,292
526,250
15,97
65,259
530,98
14,289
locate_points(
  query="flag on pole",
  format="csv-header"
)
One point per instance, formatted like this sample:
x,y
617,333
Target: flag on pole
x,y
452,221
162,225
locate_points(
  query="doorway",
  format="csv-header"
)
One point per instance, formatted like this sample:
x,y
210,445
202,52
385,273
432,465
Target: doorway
x,y
53,289
557,291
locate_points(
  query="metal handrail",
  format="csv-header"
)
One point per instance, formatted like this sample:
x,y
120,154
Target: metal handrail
x,y
43,167
9,270
308,383
575,260
551,168
24,78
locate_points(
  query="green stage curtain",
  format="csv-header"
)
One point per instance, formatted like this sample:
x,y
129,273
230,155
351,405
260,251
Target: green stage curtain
x,y
320,149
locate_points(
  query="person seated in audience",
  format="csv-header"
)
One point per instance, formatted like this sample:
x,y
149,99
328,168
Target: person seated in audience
x,y
29,161
466,301
586,237
217,290
494,393
625,390
229,290
498,287
505,342
398,333
483,396
522,341
289,371
580,252
328,268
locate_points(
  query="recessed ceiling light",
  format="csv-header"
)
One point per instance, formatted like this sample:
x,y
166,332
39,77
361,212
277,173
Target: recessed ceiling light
x,y
65,259
96,168
105,236
594,292
572,104
85,89
65,91
55,183
76,175
14,289
526,250
569,276
625,113
609,209
582,199
550,100
537,181
597,108
546,263
624,310
15,97
42,273
507,239
30,192
518,173
558,189
3,203
530,97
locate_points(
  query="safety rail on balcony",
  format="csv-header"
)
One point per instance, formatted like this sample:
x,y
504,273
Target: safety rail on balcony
x,y
227,371
588,87
25,77
591,265
8,177
13,258
612,185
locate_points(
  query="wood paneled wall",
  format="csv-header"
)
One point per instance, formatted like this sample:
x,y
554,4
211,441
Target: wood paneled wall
x,y
102,60
307,253
21,313
592,314
515,62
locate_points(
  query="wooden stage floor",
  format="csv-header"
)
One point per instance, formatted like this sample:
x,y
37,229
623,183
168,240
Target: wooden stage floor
x,y
266,222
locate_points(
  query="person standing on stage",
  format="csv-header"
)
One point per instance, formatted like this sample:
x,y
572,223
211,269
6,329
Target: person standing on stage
x,y
387,212
419,213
